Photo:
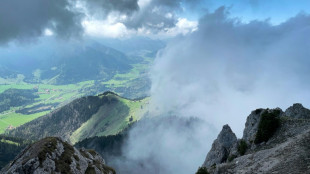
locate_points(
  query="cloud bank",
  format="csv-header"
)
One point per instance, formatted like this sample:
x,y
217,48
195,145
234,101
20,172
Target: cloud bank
x,y
165,145
227,68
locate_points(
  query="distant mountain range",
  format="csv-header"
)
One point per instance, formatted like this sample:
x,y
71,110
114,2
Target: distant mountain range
x,y
135,44
65,64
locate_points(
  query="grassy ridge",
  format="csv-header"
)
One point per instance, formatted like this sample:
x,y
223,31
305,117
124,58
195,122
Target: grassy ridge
x,y
111,119
105,114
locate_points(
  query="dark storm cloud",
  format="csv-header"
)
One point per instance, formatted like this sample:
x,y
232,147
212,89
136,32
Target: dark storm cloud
x,y
176,3
155,21
24,20
155,15
106,6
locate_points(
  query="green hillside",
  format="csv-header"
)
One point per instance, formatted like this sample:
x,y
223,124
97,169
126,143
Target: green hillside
x,y
111,119
105,114
34,101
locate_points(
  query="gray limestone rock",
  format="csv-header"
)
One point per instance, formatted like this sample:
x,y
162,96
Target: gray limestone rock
x,y
221,147
287,151
53,155
251,125
297,111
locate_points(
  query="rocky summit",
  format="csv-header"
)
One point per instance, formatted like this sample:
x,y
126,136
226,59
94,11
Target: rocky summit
x,y
221,147
53,155
273,141
298,111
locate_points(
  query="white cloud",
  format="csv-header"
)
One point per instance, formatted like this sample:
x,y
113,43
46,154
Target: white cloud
x,y
48,32
143,3
98,28
183,26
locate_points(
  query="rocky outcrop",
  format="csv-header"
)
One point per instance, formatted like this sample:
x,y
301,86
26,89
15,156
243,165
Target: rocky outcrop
x,y
221,147
291,156
286,150
297,111
52,155
252,122
251,125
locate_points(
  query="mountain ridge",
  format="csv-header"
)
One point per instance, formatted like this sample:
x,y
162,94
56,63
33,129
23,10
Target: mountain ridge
x,y
65,64
105,114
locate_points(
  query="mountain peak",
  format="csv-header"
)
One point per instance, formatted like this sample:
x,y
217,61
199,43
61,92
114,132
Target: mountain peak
x,y
297,111
221,147
53,155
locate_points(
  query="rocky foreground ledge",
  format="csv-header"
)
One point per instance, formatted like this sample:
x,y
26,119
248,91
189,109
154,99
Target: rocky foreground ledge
x,y
52,155
273,142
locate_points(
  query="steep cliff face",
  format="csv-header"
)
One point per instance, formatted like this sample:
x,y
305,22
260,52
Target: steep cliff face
x,y
52,155
273,142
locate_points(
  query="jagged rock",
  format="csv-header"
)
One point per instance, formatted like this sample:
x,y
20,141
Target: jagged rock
x,y
52,155
221,147
287,150
297,111
252,122
291,156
